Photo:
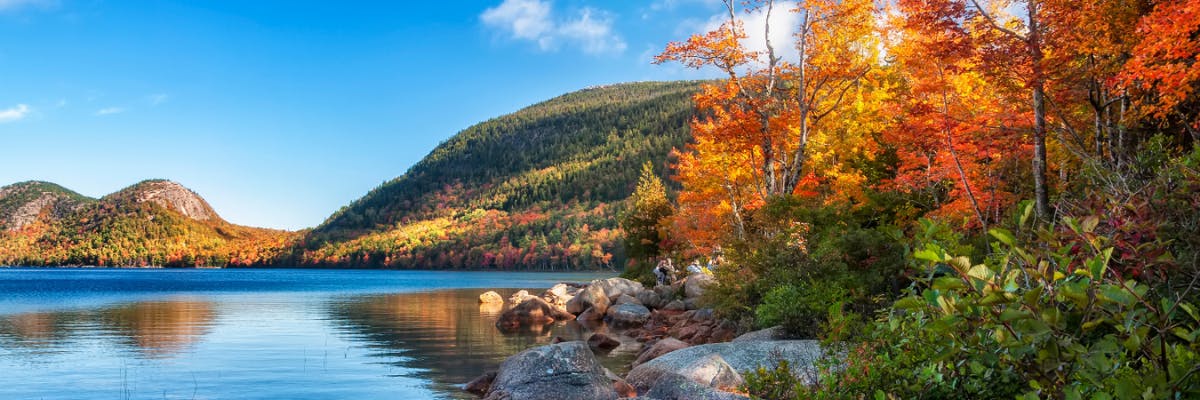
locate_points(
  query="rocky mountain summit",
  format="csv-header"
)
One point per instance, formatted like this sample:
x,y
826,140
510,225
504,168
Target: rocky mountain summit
x,y
22,203
170,195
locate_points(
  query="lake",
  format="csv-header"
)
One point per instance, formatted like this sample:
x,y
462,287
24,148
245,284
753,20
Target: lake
x,y
259,334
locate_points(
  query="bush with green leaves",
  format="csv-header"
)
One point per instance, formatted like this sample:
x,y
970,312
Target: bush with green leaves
x,y
1044,316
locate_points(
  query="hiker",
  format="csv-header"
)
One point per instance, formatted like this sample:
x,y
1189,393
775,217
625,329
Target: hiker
x,y
665,272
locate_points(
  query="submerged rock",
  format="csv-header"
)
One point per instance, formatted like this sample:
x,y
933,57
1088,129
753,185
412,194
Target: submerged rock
x,y
567,370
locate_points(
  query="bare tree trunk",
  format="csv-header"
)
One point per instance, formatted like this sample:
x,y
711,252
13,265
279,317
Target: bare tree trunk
x,y
1040,189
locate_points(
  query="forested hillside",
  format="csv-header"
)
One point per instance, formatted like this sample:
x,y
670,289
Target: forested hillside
x,y
152,223
539,188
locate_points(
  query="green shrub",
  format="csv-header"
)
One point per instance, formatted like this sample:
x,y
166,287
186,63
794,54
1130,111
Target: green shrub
x,y
800,310
1042,317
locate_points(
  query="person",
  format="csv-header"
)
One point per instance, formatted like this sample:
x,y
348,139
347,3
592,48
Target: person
x,y
694,267
665,272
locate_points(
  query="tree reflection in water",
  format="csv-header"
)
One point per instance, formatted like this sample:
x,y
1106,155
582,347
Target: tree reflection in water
x,y
155,329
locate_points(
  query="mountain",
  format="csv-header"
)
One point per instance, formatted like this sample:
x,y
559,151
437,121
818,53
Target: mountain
x,y
152,223
541,188
538,189
25,203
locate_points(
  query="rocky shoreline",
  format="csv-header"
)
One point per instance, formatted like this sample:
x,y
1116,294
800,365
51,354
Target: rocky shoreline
x,y
686,352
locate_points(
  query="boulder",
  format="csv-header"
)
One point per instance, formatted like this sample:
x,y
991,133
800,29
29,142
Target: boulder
x,y
559,294
615,287
628,314
706,364
696,285
676,387
592,297
675,305
590,315
668,292
519,296
659,348
772,333
602,342
532,311
491,297
627,299
567,370
691,303
650,299
479,386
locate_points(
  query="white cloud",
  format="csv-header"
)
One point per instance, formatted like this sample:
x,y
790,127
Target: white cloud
x,y
15,113
109,111
591,31
158,98
9,5
595,35
523,19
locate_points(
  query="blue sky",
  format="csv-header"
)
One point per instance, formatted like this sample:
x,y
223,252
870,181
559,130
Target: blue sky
x,y
280,112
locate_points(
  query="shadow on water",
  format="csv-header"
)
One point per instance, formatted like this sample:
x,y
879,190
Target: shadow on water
x,y
447,335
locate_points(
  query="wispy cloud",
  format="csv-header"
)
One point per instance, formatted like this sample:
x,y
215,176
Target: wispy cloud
x,y
15,113
158,98
12,5
109,111
591,30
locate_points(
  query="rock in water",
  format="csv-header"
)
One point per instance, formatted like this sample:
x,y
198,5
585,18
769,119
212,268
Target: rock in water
x,y
519,296
567,370
532,311
602,342
479,386
491,297
629,314
558,295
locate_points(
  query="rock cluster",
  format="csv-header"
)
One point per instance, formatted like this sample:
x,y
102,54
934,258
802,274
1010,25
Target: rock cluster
x,y
684,350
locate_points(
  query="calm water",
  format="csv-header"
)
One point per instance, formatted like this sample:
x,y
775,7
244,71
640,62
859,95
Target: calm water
x,y
257,334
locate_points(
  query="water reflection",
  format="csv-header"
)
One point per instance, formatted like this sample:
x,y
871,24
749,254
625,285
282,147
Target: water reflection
x,y
160,328
154,329
446,335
